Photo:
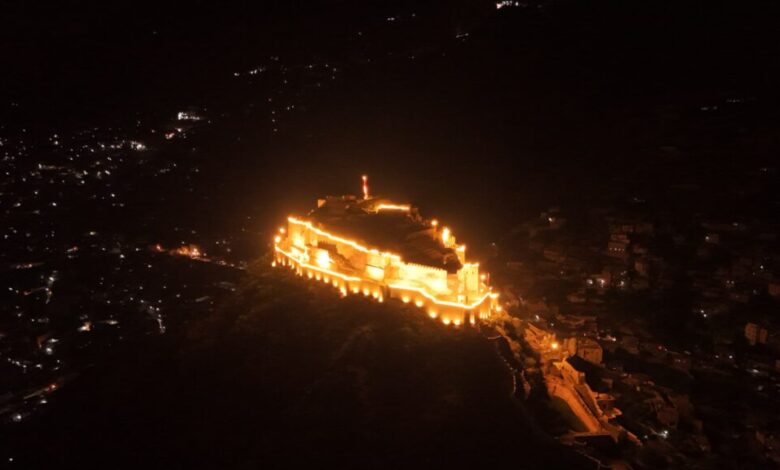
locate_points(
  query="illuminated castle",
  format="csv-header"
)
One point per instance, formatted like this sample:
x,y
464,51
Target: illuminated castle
x,y
374,247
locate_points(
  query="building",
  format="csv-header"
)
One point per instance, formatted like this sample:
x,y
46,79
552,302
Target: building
x,y
587,348
377,248
755,334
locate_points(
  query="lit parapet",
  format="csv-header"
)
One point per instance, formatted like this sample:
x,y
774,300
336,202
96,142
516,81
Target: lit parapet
x,y
338,239
317,268
393,207
446,303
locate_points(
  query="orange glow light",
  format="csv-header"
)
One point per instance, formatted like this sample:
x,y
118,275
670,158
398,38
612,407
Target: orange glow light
x,y
433,299
338,239
365,186
393,207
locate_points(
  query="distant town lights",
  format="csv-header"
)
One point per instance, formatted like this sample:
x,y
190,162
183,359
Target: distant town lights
x,y
506,3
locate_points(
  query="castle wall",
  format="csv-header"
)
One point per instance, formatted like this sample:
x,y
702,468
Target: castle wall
x,y
432,279
452,298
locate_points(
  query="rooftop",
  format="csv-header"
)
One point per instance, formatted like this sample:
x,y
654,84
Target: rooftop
x,y
387,226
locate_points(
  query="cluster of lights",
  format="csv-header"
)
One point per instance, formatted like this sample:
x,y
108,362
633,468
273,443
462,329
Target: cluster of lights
x,y
506,3
443,303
